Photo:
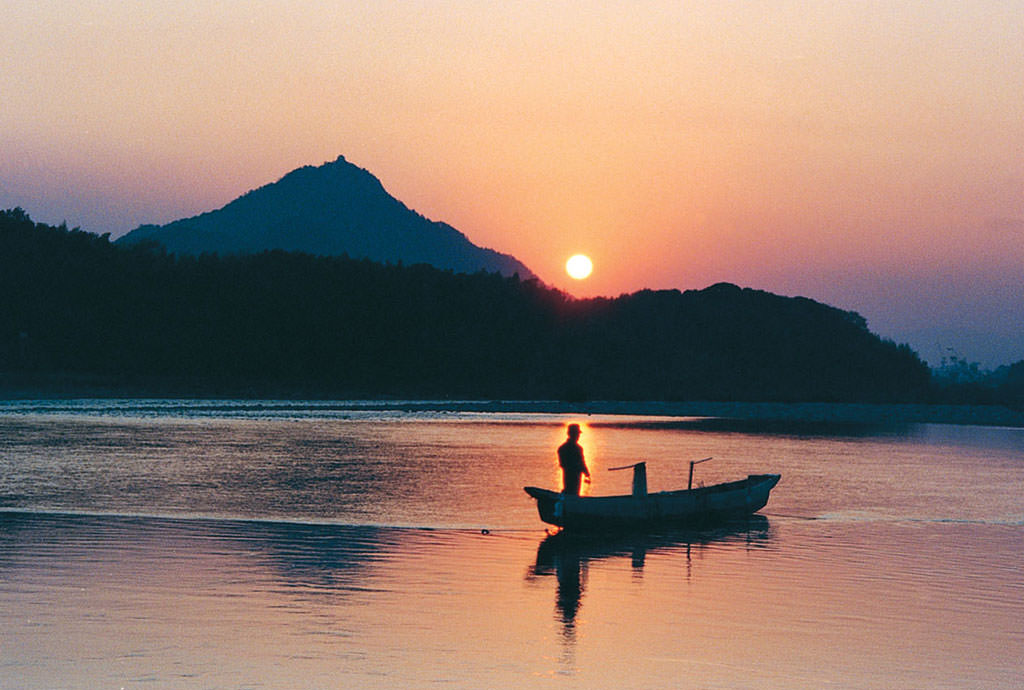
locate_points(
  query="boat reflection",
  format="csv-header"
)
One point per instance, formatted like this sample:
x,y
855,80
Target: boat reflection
x,y
565,556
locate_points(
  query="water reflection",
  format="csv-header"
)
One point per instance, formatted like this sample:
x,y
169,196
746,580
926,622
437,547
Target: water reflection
x,y
566,556
799,428
331,558
328,558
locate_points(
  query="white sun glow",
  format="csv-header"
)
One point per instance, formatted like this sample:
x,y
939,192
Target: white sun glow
x,y
579,266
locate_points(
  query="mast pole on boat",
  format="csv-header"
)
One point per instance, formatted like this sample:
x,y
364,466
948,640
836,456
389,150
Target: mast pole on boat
x,y
689,484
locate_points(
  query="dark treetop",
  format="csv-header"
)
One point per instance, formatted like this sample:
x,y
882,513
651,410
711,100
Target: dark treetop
x,y
291,323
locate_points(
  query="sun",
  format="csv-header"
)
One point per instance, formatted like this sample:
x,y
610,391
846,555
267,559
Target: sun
x,y
579,266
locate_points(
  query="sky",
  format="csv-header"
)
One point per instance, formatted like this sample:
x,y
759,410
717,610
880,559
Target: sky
x,y
869,155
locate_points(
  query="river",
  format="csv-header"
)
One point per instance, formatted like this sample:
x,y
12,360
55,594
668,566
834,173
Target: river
x,y
263,544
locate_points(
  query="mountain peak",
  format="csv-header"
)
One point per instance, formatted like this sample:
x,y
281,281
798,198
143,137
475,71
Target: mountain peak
x,y
333,209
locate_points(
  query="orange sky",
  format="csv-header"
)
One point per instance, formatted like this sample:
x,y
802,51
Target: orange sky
x,y
864,154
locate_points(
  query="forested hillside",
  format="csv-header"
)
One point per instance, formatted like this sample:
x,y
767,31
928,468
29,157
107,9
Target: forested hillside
x,y
289,323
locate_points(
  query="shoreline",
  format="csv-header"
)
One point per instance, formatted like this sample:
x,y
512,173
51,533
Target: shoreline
x,y
805,412
755,412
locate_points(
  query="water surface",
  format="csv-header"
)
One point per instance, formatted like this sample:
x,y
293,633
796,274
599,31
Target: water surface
x,y
187,544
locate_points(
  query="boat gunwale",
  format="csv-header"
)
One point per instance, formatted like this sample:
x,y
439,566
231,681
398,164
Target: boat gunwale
x,y
749,482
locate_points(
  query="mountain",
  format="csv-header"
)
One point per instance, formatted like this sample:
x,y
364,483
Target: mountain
x,y
331,210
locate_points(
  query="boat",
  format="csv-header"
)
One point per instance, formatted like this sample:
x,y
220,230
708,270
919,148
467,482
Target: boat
x,y
690,507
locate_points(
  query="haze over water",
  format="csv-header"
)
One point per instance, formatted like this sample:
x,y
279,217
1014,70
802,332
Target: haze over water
x,y
225,545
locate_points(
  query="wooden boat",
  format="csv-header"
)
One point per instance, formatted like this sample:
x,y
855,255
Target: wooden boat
x,y
641,510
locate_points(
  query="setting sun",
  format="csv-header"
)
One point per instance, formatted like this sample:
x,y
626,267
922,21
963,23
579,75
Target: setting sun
x,y
579,266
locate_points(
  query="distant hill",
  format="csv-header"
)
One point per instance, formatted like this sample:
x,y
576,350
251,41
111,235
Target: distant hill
x,y
335,209
279,323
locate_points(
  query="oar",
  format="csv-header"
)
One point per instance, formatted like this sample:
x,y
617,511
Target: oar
x,y
689,484
639,477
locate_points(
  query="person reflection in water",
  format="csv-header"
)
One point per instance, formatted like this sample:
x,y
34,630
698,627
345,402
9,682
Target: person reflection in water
x,y
570,458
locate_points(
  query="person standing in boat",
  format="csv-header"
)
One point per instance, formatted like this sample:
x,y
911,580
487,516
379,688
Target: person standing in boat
x,y
570,458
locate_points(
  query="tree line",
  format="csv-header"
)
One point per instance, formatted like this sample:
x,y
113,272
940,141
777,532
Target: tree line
x,y
279,323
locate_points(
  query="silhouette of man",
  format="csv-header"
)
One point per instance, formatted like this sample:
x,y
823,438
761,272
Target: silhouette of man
x,y
570,458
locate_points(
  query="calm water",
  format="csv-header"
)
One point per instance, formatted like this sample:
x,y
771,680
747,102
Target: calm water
x,y
156,544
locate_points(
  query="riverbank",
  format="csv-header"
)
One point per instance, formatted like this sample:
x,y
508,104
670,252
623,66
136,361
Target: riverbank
x,y
755,412
839,413
853,413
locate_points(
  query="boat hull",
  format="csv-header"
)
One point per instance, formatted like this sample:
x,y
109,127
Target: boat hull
x,y
686,508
